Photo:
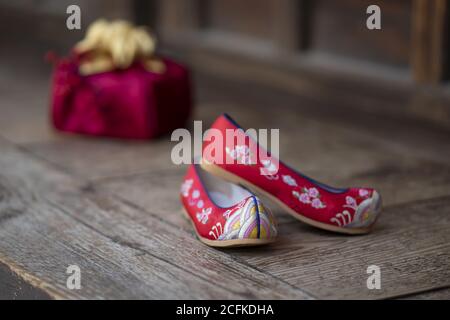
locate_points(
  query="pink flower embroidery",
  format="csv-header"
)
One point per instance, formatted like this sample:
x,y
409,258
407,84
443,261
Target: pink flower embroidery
x,y
311,196
195,194
313,192
316,203
350,201
186,186
304,198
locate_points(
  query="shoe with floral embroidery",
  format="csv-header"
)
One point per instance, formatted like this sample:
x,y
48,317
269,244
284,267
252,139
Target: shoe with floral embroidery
x,y
225,214
350,210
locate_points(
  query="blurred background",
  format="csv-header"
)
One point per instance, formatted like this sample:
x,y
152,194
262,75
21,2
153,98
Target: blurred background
x,y
314,49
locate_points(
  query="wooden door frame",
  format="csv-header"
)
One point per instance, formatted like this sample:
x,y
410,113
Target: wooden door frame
x,y
421,91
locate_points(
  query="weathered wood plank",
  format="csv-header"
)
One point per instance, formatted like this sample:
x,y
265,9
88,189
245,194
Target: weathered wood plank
x,y
39,240
330,266
410,244
324,138
439,294
398,177
320,148
108,269
15,288
49,220
24,109
26,120
150,191
269,108
428,45
105,157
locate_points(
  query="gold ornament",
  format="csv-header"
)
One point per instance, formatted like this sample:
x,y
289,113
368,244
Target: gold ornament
x,y
116,45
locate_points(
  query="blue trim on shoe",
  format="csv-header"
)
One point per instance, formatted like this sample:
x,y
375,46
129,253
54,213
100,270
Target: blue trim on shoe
x,y
258,219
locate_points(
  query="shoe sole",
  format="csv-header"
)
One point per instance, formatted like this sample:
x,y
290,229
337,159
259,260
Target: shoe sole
x,y
218,171
227,243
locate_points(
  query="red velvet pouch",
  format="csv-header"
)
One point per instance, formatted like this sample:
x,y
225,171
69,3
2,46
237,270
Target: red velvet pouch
x,y
129,103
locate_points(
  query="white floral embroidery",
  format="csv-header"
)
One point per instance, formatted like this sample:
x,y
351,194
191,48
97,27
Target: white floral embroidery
x,y
203,216
195,194
269,169
200,204
241,154
186,186
350,203
363,193
289,180
228,212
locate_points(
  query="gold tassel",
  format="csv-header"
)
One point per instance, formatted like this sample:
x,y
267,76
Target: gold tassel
x,y
116,45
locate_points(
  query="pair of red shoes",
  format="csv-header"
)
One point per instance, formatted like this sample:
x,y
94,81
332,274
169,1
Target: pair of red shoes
x,y
225,214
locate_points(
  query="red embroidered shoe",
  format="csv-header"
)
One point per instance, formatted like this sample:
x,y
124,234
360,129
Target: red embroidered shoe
x,y
225,214
351,210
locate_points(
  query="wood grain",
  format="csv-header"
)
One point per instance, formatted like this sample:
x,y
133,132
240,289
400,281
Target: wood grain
x,y
366,153
439,294
105,157
430,19
15,288
333,266
415,186
327,265
49,220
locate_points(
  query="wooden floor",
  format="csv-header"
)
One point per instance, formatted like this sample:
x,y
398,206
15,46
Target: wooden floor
x,y
111,207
